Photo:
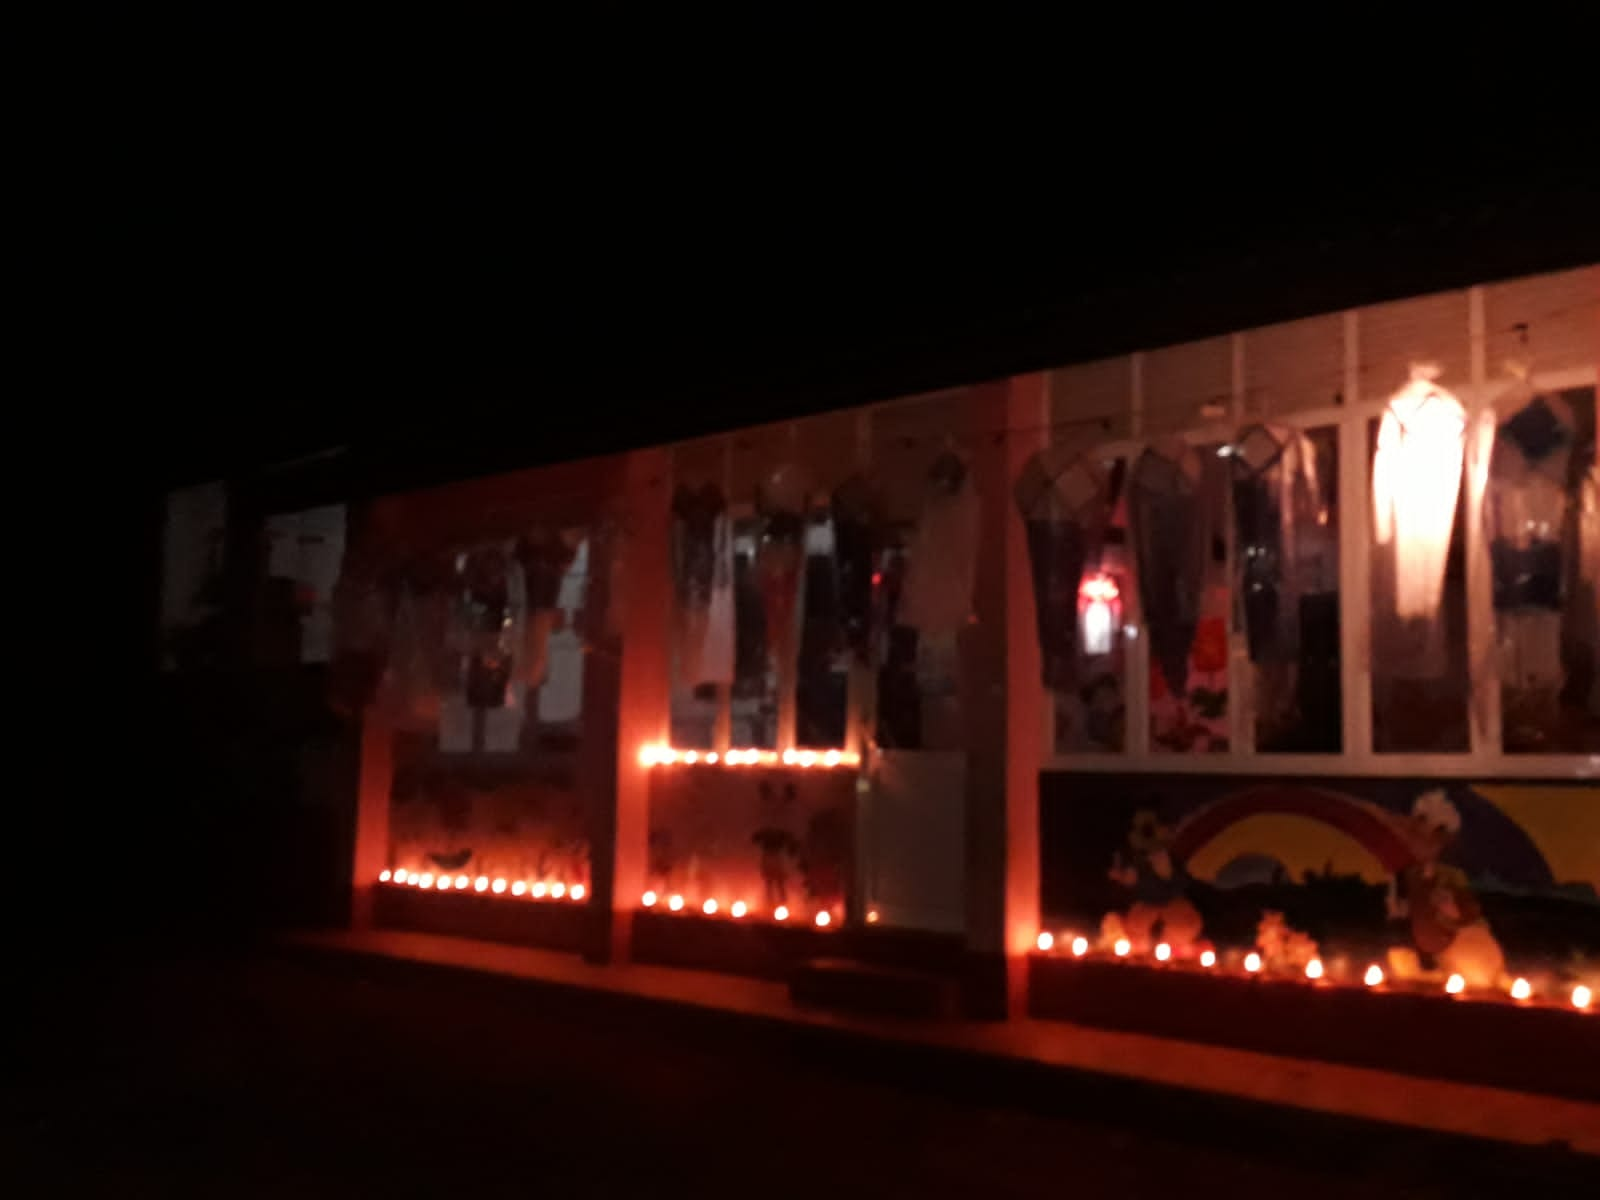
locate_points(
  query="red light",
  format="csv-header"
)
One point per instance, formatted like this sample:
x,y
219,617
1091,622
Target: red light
x,y
675,903
578,891
481,884
499,886
823,919
709,908
781,913
385,875
738,909
648,899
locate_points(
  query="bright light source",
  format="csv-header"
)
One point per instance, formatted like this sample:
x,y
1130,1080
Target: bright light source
x,y
738,908
823,918
666,754
461,882
711,757
519,888
1581,996
424,880
709,908
558,890
1208,958
1046,940
444,883
1455,985
1121,947
647,756
385,875
808,758
400,875
498,887
481,884
1374,976
538,890
1252,962
648,899
831,759
1521,989
789,757
1314,969
675,904
1080,946
691,757
1163,952
578,891
781,913
872,916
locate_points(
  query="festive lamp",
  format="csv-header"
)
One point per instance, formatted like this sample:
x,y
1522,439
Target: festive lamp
x,y
445,883
831,759
498,887
648,899
461,882
1099,613
481,884
675,903
739,909
1521,989
578,891
781,913
1252,962
1455,985
808,758
1121,947
425,880
1163,952
385,875
538,890
399,875
709,908
1581,997
872,916
519,888
558,890
1374,976
647,756
1314,969
1080,947
824,918
1046,940
1208,958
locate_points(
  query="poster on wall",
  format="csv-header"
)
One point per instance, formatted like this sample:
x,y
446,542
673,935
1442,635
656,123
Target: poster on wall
x,y
768,839
1478,879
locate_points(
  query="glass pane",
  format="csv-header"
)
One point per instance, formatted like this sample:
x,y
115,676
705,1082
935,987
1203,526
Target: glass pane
x,y
1286,567
1419,595
755,683
823,675
1177,500
1542,521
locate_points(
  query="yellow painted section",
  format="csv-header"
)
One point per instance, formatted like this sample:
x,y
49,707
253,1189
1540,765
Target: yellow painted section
x,y
1299,843
1562,821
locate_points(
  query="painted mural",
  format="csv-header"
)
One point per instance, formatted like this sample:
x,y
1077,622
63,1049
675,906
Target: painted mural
x,y
498,815
768,839
1434,878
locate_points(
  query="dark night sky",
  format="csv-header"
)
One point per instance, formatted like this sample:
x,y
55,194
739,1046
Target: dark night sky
x,y
441,300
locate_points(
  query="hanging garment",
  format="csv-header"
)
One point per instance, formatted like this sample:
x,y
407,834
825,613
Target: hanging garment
x,y
697,513
1065,513
943,557
854,540
1416,484
1174,498
560,697
1278,501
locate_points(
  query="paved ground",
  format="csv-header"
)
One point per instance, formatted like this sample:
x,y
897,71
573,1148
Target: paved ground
x,y
260,1075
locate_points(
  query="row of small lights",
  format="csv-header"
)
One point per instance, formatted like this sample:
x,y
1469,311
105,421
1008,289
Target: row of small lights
x,y
665,756
538,890
737,910
1520,989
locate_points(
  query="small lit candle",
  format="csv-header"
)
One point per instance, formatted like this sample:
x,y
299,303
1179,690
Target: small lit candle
x,y
519,888
461,882
781,913
712,758
789,757
1163,952
648,899
1252,962
1208,958
1374,976
1455,985
1080,946
808,759
1521,989
1046,940
400,875
831,758
444,883
499,887
425,880
481,884
1121,947
578,891
1581,997
823,919
558,890
709,908
385,875
738,909
676,903
1314,969
872,916
691,757
538,890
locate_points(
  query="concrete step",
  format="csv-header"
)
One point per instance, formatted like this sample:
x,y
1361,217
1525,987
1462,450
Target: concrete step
x,y
855,986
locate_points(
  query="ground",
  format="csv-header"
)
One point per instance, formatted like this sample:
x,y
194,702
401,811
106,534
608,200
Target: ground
x,y
264,1074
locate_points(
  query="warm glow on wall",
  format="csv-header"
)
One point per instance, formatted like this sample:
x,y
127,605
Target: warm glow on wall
x,y
1046,940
